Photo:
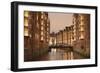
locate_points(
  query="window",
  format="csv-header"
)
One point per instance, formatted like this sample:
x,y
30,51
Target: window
x,y
41,38
26,14
81,29
81,35
42,33
26,22
42,22
42,28
25,32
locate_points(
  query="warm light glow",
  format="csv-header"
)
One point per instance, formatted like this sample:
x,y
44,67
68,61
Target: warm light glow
x,y
42,22
41,32
50,41
26,14
82,36
41,27
25,32
81,29
55,41
81,17
26,22
41,38
81,23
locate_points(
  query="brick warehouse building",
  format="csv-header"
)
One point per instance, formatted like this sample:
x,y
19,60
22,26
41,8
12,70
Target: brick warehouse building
x,y
36,34
82,34
65,36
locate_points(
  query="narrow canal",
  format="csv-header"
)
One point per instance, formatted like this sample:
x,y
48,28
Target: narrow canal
x,y
60,54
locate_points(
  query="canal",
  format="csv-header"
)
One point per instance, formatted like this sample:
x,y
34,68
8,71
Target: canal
x,y
60,54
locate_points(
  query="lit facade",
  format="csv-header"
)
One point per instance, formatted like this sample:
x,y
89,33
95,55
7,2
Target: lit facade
x,y
36,34
65,36
82,33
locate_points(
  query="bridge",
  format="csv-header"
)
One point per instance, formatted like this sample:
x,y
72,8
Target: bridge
x,y
62,46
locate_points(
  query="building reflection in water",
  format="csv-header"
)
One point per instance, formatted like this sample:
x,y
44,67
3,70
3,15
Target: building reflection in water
x,y
59,54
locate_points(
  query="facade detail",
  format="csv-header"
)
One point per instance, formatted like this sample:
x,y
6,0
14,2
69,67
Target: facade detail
x,y
36,34
82,33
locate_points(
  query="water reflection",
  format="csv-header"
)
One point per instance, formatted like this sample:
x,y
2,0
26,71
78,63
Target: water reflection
x,y
63,54
59,54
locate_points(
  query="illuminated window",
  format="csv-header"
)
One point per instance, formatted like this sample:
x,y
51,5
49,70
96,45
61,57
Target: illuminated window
x,y
42,28
41,38
26,22
42,22
26,14
81,23
25,32
81,29
81,17
81,35
41,32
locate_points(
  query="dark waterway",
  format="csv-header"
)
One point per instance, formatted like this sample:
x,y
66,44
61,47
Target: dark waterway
x,y
60,54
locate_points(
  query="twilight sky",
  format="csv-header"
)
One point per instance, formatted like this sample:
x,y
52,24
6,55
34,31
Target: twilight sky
x,y
58,21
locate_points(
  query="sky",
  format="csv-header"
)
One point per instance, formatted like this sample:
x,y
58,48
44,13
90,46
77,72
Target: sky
x,y
58,21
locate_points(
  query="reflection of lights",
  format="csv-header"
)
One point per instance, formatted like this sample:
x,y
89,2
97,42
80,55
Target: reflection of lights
x,y
53,50
50,41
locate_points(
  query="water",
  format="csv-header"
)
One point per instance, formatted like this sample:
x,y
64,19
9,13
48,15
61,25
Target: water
x,y
60,54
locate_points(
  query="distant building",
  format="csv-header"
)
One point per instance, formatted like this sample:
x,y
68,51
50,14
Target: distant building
x,y
52,40
36,34
65,36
